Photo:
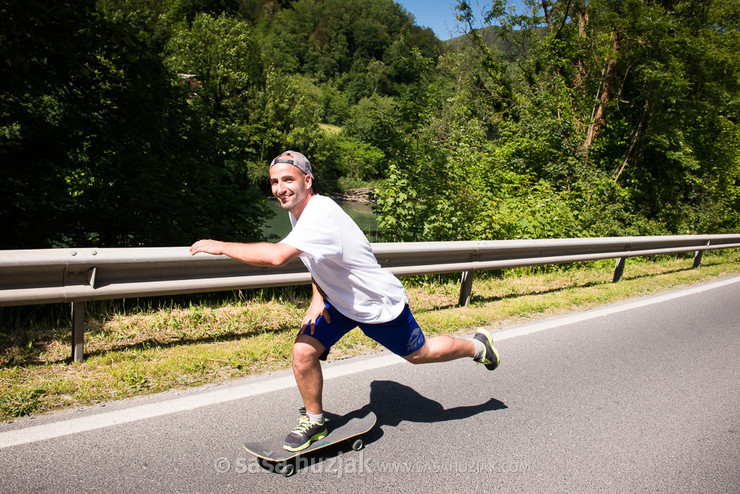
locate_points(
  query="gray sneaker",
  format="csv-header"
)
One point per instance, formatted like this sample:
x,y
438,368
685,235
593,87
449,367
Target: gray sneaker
x,y
304,434
490,357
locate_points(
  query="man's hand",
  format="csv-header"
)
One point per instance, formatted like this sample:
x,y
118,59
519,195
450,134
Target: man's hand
x,y
316,309
208,246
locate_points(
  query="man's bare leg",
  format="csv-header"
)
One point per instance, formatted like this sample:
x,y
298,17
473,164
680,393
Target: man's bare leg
x,y
307,372
442,349
446,348
310,380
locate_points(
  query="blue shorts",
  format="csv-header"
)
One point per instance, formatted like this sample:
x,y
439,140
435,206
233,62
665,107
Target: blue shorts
x,y
401,336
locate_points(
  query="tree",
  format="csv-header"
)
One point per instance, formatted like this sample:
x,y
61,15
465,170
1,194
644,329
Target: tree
x,y
99,144
620,92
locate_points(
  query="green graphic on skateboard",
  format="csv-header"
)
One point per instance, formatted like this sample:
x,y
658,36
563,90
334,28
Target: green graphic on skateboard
x,y
272,456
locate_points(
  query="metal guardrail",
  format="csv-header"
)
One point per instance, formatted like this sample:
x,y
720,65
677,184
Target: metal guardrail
x,y
79,275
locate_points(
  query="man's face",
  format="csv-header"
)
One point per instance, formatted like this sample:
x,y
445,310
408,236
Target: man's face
x,y
290,186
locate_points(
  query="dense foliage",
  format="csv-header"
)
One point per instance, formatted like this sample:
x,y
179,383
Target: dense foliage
x,y
150,122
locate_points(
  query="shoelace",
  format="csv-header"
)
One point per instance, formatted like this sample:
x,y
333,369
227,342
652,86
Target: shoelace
x,y
303,425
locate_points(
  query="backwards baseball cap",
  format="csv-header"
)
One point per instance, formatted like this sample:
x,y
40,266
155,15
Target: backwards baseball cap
x,y
296,159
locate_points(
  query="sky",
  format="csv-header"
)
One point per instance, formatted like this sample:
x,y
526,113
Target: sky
x,y
436,14
440,14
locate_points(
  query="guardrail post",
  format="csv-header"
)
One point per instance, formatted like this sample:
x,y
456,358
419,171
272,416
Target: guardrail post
x,y
78,331
697,257
619,269
466,288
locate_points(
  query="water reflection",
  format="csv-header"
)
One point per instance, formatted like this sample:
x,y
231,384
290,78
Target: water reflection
x,y
361,213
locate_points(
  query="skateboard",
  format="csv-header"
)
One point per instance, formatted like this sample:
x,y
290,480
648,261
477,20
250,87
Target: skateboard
x,y
273,457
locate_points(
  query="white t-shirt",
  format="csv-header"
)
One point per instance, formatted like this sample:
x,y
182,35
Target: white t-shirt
x,y
342,263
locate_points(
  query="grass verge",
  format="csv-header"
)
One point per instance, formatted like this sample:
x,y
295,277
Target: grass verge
x,y
155,347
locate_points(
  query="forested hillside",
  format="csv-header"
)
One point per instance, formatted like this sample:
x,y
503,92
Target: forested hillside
x,y
151,122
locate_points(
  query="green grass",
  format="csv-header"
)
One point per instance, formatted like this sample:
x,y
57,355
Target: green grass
x,y
140,347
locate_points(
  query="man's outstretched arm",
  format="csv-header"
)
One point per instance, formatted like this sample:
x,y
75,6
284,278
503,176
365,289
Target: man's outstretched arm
x,y
257,254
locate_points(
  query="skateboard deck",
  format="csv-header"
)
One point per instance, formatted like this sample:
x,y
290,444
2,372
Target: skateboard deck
x,y
271,451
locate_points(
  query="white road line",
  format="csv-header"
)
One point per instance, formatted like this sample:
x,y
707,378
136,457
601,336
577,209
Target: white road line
x,y
107,419
608,310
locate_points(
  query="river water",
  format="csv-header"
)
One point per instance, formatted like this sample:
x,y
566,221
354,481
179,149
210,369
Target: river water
x,y
361,213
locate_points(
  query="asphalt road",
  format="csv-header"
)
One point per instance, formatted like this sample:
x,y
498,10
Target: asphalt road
x,y
636,397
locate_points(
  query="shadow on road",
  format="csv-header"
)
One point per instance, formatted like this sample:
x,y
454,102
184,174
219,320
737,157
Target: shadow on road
x,y
394,403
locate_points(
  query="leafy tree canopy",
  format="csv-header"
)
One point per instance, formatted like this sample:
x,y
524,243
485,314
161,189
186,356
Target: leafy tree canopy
x,y
143,122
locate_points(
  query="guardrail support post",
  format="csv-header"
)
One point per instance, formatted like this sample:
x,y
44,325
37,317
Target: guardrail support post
x,y
466,288
619,269
78,331
697,257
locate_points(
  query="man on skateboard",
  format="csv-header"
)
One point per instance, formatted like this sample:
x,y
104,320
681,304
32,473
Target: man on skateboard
x,y
350,289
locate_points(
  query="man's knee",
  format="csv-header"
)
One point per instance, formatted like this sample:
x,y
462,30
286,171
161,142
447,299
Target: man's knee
x,y
420,356
306,351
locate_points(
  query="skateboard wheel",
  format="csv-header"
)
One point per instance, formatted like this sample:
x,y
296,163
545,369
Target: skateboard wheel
x,y
357,444
286,469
